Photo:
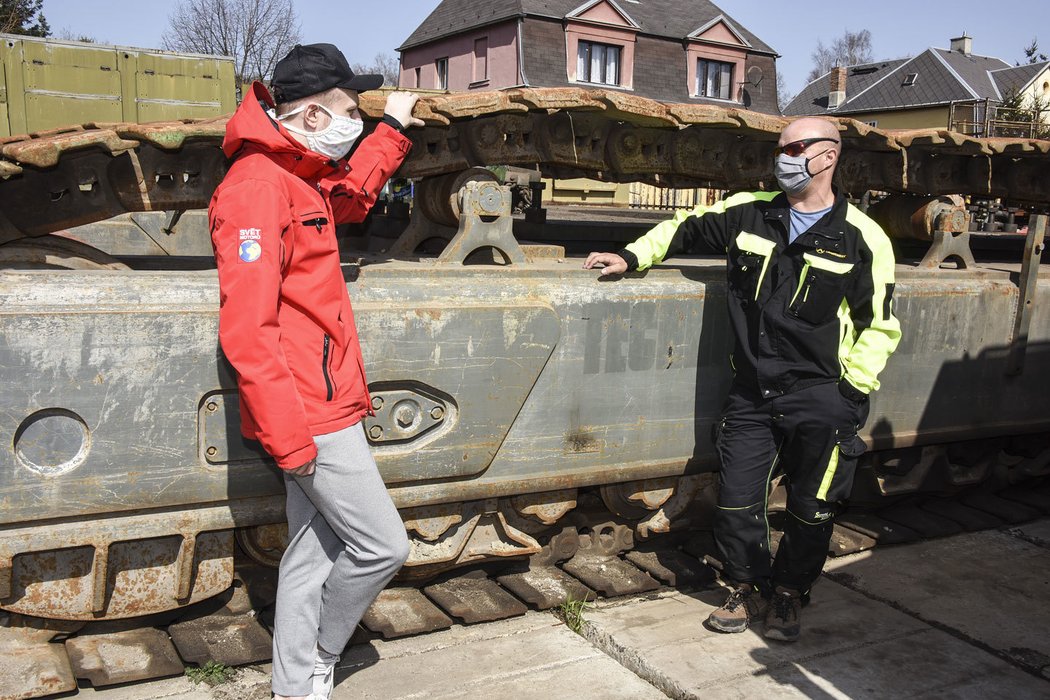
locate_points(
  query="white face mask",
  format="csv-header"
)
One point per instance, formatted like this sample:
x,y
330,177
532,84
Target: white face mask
x,y
334,141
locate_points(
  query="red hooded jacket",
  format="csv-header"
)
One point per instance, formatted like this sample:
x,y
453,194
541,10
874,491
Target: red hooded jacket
x,y
285,322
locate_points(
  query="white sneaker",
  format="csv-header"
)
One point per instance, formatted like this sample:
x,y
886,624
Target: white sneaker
x,y
324,676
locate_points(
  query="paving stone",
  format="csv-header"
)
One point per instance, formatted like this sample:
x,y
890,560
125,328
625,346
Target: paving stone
x,y
1037,532
123,657
851,647
181,688
988,586
528,658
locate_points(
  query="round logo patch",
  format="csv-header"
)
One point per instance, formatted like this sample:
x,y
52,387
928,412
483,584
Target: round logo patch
x,y
250,251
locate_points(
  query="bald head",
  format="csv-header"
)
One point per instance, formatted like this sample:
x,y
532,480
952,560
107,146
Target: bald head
x,y
810,128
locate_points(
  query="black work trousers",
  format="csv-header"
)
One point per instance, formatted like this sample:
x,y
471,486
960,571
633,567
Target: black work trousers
x,y
810,436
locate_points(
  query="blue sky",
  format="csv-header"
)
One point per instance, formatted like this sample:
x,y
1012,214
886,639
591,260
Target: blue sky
x,y
363,29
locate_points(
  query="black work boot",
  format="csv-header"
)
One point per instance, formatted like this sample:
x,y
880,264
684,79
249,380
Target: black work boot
x,y
783,621
743,606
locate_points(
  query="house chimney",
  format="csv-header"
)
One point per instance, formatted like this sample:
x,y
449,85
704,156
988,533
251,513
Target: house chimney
x,y
963,44
837,87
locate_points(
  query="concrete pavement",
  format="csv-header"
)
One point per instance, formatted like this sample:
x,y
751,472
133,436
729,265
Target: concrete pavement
x,y
960,617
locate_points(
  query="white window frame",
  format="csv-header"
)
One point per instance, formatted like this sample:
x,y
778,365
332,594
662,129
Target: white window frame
x,y
593,56
441,69
723,79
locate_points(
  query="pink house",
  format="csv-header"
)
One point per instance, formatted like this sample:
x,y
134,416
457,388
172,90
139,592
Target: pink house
x,y
667,50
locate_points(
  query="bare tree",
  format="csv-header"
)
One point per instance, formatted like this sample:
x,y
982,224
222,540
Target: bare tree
x,y
784,95
383,64
850,49
67,34
255,33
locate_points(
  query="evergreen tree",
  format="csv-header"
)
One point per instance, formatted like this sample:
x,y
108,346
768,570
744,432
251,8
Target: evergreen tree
x,y
1032,54
23,17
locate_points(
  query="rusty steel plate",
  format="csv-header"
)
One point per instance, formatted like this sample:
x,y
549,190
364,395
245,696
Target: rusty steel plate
x,y
1038,497
609,575
31,666
398,612
123,579
544,587
233,640
971,519
123,657
845,541
881,530
925,523
1009,511
673,567
473,598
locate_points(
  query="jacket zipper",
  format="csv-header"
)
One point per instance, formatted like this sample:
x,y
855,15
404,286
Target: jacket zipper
x,y
324,368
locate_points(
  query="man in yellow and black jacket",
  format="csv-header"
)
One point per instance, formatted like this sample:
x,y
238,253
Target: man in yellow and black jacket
x,y
810,282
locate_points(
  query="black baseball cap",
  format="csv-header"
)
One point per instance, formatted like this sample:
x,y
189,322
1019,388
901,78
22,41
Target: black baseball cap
x,y
312,68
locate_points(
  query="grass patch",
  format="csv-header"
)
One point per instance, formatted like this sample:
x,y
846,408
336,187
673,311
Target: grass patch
x,y
212,673
571,613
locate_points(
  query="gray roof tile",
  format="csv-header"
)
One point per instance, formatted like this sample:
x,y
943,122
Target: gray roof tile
x,y
941,77
814,97
664,18
1017,78
973,69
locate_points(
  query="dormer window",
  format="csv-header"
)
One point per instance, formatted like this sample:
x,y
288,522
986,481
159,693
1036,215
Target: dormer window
x,y
600,41
910,79
716,58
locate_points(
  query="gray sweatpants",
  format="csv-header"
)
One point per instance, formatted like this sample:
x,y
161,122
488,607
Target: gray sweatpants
x,y
346,541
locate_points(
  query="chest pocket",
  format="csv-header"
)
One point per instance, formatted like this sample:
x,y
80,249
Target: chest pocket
x,y
749,265
821,288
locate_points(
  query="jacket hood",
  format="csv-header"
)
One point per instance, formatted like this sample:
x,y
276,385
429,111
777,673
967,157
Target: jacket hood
x,y
250,126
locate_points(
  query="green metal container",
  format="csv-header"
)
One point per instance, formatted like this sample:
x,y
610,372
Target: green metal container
x,y
47,84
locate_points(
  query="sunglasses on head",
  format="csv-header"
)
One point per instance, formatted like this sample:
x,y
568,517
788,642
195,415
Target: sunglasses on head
x,y
796,148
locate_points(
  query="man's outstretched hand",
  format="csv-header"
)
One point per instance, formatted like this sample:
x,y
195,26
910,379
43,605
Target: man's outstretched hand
x,y
614,264
399,105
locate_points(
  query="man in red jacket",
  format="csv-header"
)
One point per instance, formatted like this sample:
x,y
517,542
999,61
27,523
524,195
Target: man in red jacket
x,y
287,327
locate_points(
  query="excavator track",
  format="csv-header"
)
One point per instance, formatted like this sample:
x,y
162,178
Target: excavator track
x,y
595,554
57,179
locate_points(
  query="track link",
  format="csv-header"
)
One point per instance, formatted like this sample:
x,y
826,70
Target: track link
x,y
67,177
575,562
